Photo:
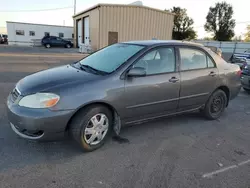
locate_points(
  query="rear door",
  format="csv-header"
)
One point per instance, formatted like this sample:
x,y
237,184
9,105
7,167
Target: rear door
x,y
51,40
157,93
199,76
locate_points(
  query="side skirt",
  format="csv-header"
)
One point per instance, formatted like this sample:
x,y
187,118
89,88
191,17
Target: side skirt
x,y
156,117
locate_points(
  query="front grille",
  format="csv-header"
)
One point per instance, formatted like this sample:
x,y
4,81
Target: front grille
x,y
15,94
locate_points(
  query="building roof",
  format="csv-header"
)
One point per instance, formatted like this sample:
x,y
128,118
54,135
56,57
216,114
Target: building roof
x,y
120,5
39,24
155,42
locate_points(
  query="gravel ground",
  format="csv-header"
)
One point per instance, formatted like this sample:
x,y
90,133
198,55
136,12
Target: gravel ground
x,y
173,152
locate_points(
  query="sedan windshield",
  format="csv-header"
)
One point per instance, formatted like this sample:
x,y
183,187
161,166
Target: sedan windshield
x,y
110,58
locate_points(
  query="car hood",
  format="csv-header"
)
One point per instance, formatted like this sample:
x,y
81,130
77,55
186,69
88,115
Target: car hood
x,y
55,77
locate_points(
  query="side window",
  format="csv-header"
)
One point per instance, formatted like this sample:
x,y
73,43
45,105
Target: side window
x,y
210,63
161,60
192,59
152,55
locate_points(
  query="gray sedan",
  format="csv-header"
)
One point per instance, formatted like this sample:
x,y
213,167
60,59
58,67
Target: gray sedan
x,y
122,84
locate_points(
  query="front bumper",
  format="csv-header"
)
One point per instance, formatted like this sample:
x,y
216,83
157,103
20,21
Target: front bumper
x,y
245,81
37,124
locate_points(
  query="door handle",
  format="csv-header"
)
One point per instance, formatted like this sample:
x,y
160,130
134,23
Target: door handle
x,y
212,73
173,79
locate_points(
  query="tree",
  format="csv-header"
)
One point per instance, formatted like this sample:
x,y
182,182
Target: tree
x,y
237,38
220,22
207,38
247,35
182,25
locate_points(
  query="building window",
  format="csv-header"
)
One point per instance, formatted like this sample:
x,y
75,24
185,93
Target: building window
x,y
32,33
61,35
46,34
19,32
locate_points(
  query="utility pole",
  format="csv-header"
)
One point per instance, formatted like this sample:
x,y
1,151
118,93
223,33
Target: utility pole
x,y
74,7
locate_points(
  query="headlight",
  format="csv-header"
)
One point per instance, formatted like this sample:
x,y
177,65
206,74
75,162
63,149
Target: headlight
x,y
39,100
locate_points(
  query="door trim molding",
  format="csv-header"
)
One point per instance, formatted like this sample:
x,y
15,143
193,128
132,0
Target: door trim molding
x,y
196,95
152,103
164,101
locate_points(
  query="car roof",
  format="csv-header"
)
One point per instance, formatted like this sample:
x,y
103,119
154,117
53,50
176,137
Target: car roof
x,y
164,42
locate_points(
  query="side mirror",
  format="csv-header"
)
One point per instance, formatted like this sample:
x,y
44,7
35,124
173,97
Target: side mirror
x,y
136,72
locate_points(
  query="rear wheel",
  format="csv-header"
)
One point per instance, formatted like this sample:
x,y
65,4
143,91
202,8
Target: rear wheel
x,y
91,127
47,45
215,105
247,90
68,46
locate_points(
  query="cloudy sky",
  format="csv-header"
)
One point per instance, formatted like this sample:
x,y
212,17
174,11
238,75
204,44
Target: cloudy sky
x,y
27,11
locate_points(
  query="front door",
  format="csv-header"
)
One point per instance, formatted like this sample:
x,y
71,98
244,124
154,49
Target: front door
x,y
79,32
157,93
86,31
198,78
58,41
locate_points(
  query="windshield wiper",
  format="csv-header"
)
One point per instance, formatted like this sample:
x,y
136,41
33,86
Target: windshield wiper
x,y
84,67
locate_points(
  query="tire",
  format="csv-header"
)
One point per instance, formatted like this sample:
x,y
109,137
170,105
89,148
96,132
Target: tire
x,y
68,46
215,105
82,123
247,90
47,45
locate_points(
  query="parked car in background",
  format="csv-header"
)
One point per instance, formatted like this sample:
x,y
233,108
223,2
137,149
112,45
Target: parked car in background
x,y
121,84
242,59
52,41
245,78
3,38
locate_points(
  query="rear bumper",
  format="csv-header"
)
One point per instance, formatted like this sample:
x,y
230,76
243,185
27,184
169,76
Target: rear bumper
x,y
234,91
37,124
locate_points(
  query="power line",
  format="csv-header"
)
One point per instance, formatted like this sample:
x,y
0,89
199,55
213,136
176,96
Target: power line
x,y
38,10
236,23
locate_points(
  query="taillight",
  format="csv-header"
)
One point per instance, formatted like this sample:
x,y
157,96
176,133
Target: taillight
x,y
239,72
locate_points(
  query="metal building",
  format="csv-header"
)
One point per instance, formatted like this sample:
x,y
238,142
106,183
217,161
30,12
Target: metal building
x,y
29,33
105,24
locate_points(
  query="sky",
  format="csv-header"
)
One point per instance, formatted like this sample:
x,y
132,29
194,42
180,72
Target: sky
x,y
23,11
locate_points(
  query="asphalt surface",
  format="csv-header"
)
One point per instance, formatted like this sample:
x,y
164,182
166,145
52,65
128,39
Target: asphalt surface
x,y
181,151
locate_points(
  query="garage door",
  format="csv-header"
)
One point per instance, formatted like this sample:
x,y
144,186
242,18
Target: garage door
x,y
86,30
79,32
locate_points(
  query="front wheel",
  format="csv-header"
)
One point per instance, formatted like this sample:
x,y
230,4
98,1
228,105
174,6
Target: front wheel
x,y
47,46
91,127
215,105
